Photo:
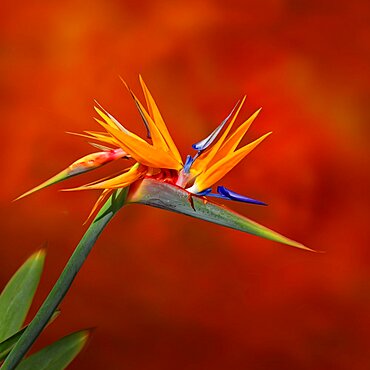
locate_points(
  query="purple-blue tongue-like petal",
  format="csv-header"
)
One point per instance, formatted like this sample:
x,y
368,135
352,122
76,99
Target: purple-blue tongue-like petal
x,y
237,197
205,143
205,192
189,161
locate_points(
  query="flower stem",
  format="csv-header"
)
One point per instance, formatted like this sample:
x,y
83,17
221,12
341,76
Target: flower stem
x,y
61,287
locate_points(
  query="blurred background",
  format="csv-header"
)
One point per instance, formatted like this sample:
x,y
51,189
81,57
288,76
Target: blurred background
x,y
169,292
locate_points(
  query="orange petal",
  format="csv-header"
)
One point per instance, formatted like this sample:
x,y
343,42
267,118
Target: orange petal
x,y
157,138
157,117
120,181
205,159
102,198
222,167
142,151
234,139
100,136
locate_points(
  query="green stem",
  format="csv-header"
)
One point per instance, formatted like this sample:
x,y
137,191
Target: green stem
x,y
61,287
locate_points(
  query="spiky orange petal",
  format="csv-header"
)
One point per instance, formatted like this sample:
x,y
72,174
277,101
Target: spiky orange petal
x,y
142,151
120,181
106,193
235,138
157,117
204,160
221,168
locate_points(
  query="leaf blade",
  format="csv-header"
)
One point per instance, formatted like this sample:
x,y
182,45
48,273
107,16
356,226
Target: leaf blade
x,y
61,287
7,345
17,296
58,355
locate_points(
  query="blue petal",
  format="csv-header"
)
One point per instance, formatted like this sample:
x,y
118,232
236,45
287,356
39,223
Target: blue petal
x,y
237,197
189,161
205,143
205,192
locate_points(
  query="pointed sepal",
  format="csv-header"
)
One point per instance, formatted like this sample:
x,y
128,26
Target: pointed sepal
x,y
85,164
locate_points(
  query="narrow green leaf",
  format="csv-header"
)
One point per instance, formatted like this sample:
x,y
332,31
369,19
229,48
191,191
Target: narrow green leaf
x,y
7,345
173,198
61,287
16,298
56,356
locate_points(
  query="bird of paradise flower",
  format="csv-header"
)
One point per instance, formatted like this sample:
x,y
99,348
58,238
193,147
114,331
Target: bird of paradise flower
x,y
159,178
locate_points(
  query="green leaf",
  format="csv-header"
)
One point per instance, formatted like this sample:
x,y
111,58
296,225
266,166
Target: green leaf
x,y
16,298
61,287
7,345
173,198
56,356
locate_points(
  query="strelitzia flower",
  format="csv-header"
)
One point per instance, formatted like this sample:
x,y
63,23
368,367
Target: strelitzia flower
x,y
159,177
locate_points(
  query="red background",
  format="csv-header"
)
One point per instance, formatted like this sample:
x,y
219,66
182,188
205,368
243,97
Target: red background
x,y
169,292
